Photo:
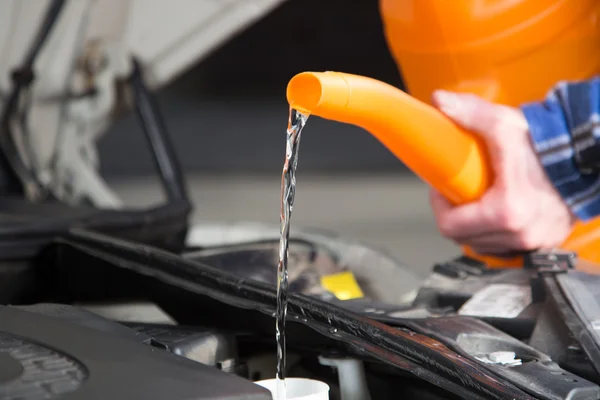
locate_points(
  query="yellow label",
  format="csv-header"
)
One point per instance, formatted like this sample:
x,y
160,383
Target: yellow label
x,y
343,285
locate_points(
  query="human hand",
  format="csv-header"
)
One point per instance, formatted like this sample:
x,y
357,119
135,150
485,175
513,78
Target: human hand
x,y
522,210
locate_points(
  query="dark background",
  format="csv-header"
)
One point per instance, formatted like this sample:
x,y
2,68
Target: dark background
x,y
229,113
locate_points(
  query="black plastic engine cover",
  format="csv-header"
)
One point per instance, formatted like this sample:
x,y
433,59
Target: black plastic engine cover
x,y
45,357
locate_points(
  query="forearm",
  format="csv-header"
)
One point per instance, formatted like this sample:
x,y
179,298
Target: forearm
x,y
565,130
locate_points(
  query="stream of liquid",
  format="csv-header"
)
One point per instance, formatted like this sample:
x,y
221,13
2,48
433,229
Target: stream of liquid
x,y
296,122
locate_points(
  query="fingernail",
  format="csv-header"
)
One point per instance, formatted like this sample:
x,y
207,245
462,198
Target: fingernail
x,y
447,102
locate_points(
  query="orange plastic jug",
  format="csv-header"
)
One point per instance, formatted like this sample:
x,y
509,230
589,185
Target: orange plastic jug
x,y
508,51
447,157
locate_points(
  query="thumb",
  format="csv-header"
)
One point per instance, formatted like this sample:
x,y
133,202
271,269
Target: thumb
x,y
470,112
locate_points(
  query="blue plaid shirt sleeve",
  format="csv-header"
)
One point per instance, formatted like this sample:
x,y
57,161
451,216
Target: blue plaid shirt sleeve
x,y
563,128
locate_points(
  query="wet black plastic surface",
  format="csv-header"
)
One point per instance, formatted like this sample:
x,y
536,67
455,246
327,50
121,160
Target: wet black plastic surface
x,y
220,299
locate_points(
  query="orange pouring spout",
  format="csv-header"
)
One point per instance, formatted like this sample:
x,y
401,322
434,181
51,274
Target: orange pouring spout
x,y
445,156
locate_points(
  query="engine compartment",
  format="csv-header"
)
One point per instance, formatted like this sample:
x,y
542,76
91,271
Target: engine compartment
x,y
205,326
